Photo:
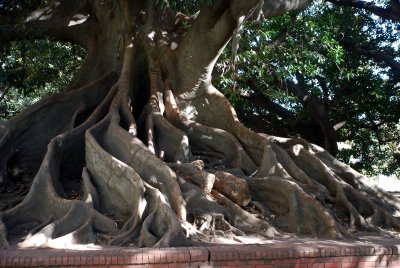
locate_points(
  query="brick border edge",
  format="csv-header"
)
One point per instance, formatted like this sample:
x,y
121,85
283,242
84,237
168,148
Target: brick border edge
x,y
328,254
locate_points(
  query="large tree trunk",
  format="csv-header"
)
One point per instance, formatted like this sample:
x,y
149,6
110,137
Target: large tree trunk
x,y
141,148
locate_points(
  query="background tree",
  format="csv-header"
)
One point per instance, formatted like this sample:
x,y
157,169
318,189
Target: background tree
x,y
32,69
141,149
310,75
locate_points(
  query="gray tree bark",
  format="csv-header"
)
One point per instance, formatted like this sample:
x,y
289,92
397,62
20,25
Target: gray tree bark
x,y
141,134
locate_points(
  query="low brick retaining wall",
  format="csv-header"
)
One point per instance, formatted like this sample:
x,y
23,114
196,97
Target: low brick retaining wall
x,y
274,255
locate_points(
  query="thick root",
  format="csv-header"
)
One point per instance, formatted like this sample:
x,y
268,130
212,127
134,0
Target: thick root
x,y
24,138
245,221
213,143
44,207
190,172
318,182
293,210
111,180
52,216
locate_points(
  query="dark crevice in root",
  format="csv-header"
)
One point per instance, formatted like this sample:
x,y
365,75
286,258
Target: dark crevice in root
x,y
110,179
334,197
361,210
25,137
125,194
210,142
293,209
338,204
163,139
15,195
151,215
44,201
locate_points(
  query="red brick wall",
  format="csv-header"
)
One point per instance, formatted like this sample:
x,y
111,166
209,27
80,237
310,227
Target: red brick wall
x,y
324,254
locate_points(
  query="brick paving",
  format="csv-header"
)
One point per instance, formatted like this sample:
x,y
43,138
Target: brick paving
x,y
276,254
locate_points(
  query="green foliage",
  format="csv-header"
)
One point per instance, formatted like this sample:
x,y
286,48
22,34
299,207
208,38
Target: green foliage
x,y
184,6
21,5
189,7
310,48
30,70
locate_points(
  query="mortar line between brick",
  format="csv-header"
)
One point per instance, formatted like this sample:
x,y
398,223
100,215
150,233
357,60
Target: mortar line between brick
x,y
190,256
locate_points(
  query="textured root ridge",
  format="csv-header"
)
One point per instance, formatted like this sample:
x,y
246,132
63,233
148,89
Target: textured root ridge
x,y
24,138
291,209
126,194
213,143
185,172
300,187
53,220
46,217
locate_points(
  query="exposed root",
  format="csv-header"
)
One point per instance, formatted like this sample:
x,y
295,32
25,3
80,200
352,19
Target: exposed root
x,y
245,221
51,215
161,222
294,210
236,189
190,172
166,141
317,185
163,139
66,215
120,187
24,138
361,210
137,184
137,157
211,142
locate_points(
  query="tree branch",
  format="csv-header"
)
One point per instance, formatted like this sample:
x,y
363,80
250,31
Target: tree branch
x,y
274,8
64,20
280,37
3,92
258,98
391,13
377,56
215,26
317,111
206,39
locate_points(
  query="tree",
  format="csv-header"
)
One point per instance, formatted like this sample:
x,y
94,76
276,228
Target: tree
x,y
141,149
309,75
31,69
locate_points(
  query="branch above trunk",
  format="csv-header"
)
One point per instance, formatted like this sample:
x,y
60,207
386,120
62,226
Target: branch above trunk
x,y
317,111
274,8
211,32
377,56
391,13
61,20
